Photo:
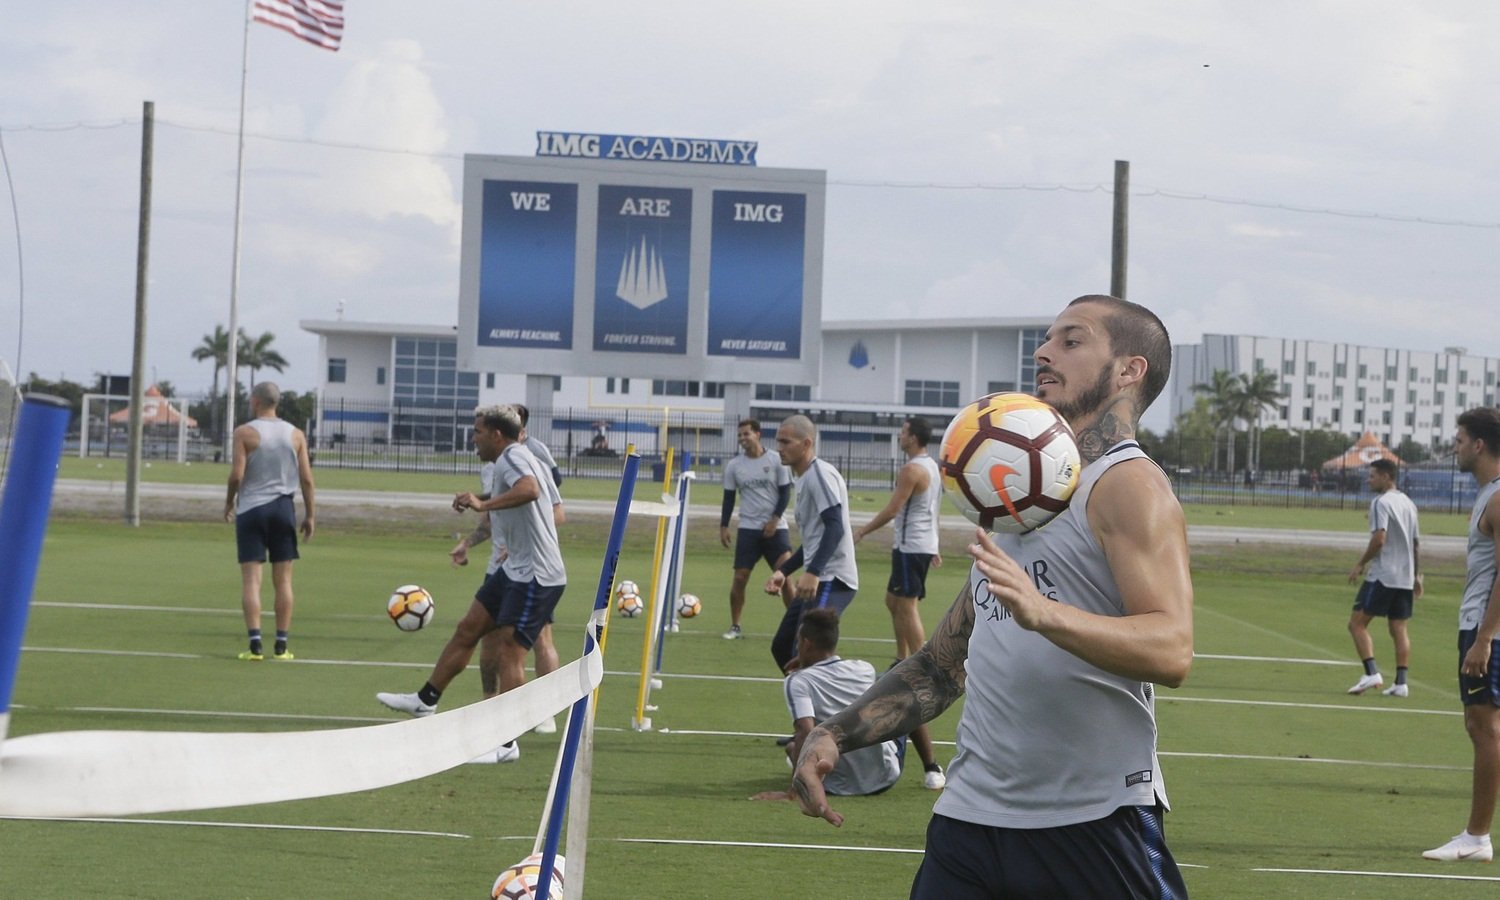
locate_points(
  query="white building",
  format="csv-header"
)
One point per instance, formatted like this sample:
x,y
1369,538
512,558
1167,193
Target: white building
x,y
400,383
1397,394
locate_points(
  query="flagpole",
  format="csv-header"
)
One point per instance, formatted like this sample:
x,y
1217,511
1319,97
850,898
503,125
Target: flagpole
x,y
232,351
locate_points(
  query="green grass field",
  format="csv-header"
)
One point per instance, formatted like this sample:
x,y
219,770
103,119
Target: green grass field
x,y
1282,785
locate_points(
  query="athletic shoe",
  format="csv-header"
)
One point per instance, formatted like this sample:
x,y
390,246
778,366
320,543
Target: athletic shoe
x,y
734,633
285,654
252,656
1395,690
1463,848
407,703
934,779
1366,682
501,754
547,726
785,741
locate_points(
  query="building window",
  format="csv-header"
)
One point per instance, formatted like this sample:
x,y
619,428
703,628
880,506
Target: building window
x,y
1411,420
1442,375
795,392
1364,370
1307,391
713,390
380,374
1000,387
337,370
1390,396
609,385
1438,398
1385,417
1437,420
489,380
1336,413
935,393
624,385
1463,376
1311,369
1288,367
1359,394
1340,370
1359,417
670,387
1390,373
1031,338
1411,373
1307,413
1411,397
427,375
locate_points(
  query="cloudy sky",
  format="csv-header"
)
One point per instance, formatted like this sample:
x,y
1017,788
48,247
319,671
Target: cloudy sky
x,y
1310,169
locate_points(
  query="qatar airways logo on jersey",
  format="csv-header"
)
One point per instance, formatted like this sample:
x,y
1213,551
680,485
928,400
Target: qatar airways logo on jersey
x,y
992,610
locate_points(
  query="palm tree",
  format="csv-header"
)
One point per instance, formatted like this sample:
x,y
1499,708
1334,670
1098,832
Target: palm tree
x,y
1222,391
216,348
1257,394
257,354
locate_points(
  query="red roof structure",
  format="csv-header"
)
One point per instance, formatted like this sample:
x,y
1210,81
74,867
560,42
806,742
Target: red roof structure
x,y
155,410
1365,451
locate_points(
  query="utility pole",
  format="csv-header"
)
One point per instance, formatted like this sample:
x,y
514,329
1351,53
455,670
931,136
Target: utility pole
x,y
1121,242
138,352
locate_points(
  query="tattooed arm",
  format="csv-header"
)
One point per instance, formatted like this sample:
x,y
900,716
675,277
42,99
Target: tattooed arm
x,y
917,690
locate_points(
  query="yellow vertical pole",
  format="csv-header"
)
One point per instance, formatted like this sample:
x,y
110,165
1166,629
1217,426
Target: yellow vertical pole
x,y
653,606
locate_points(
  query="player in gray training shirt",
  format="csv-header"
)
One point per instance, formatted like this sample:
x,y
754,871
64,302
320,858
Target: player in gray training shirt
x,y
1057,640
820,685
764,486
829,576
1392,581
1476,449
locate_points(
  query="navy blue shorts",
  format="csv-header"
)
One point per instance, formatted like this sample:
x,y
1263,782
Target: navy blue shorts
x,y
1123,855
524,605
908,574
1375,599
269,529
1475,691
752,546
832,593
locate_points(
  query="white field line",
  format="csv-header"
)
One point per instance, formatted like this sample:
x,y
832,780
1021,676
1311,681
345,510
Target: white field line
x,y
1380,874
257,825
1276,659
1343,707
772,845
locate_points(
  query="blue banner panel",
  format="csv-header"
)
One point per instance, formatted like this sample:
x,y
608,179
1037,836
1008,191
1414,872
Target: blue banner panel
x,y
755,275
641,273
527,252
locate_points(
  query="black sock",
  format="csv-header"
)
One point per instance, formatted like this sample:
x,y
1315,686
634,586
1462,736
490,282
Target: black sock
x,y
280,642
1370,667
932,767
429,694
1401,674
255,645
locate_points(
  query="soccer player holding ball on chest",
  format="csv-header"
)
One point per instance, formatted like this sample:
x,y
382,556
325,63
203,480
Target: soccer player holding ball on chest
x,y
1058,639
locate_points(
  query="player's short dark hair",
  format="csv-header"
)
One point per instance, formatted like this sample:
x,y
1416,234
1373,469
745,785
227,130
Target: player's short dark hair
x,y
523,412
920,429
1135,330
1386,467
753,424
821,627
1483,425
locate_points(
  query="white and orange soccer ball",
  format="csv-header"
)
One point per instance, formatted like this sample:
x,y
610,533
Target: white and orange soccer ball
x,y
688,606
1009,462
520,880
628,599
411,607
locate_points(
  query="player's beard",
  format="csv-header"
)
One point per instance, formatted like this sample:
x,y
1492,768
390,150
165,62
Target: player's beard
x,y
1091,400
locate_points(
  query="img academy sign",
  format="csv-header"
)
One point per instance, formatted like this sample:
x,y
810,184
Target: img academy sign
x,y
644,148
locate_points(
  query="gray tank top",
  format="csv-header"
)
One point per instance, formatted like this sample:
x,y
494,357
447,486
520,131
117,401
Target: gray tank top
x,y
271,468
917,520
1047,739
1481,564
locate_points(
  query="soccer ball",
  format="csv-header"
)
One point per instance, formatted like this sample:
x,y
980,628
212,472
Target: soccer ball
x,y
411,607
1009,462
688,606
631,605
519,881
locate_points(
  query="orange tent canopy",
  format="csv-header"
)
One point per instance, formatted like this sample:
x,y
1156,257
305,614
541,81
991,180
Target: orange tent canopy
x,y
155,410
1365,451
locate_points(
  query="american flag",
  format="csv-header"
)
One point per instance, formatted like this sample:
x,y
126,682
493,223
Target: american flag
x,y
319,22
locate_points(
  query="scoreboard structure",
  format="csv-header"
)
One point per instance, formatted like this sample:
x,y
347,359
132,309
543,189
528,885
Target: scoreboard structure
x,y
617,255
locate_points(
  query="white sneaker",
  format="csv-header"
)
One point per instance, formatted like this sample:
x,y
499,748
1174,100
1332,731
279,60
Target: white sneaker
x,y
501,754
1463,848
547,726
1366,682
734,633
935,780
1395,690
407,703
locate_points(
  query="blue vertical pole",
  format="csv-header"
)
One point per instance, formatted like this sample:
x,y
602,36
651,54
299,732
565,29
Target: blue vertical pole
x,y
23,523
580,709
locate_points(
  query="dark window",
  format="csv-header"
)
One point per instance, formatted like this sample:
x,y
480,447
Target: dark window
x,y
337,369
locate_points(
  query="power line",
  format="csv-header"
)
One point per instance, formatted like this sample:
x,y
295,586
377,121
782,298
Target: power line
x,y
881,184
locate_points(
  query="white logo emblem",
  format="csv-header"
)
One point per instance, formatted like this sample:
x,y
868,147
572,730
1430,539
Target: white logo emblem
x,y
643,280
